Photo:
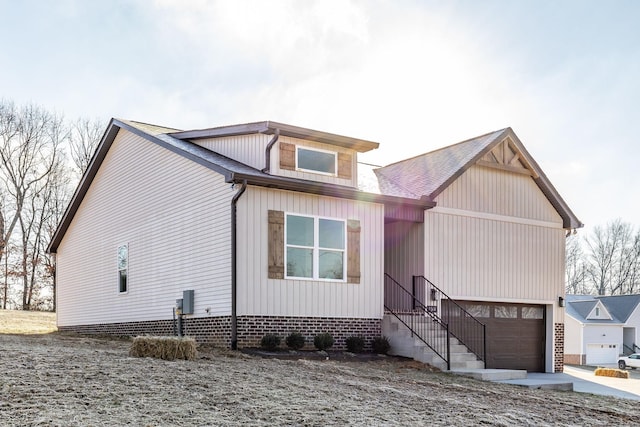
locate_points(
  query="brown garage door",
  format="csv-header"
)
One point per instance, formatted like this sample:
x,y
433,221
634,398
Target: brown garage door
x,y
515,334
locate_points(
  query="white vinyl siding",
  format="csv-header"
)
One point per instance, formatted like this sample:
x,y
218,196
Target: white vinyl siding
x,y
404,251
258,295
326,178
247,149
493,191
175,216
494,236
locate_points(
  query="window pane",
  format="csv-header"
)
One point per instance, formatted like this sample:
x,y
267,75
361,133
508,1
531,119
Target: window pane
x,y
317,161
532,313
477,310
299,230
299,262
122,257
331,234
506,312
331,265
123,280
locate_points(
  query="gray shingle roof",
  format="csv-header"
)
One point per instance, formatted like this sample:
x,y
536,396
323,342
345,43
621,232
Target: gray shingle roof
x,y
428,174
619,306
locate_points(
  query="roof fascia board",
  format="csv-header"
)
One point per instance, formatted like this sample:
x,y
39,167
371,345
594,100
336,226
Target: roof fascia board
x,y
269,128
569,219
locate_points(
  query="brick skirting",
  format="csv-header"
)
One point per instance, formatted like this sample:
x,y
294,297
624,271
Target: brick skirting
x,y
251,329
558,350
575,359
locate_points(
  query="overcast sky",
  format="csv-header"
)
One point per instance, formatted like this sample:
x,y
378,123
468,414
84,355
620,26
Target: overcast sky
x,y
411,75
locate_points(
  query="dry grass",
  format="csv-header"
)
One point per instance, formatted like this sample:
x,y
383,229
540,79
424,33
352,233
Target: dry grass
x,y
27,322
69,380
610,372
165,348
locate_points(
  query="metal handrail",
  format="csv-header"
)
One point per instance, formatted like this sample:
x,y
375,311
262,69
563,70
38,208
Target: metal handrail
x,y
462,325
423,323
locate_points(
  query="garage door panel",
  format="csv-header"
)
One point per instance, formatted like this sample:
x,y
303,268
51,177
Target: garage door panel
x,y
515,335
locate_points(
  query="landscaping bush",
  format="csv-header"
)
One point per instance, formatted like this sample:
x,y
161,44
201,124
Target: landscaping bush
x,y
295,340
608,372
380,345
166,348
270,342
323,341
355,344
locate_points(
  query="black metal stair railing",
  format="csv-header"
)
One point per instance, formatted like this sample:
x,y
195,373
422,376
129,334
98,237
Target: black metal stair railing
x,y
422,321
462,324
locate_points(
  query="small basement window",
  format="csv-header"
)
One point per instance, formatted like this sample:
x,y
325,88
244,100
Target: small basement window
x,y
123,267
317,161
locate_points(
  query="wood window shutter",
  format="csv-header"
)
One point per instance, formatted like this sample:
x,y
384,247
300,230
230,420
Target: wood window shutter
x,y
344,165
276,244
353,248
287,156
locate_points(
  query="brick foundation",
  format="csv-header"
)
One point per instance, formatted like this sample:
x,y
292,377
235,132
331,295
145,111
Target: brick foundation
x,y
575,359
558,350
251,329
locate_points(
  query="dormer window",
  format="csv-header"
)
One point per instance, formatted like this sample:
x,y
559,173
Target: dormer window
x,y
316,161
597,311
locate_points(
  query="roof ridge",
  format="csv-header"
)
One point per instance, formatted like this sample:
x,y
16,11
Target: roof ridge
x,y
447,146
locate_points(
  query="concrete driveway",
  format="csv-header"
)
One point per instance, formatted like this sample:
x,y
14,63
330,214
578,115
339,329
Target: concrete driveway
x,y
585,381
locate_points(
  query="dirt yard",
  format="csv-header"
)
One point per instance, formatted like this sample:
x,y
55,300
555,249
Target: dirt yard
x,y
55,379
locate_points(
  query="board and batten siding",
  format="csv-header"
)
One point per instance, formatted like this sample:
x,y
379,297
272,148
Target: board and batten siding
x,y
404,251
494,236
259,295
247,149
175,217
277,170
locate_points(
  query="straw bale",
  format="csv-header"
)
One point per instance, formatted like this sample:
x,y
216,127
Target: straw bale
x,y
166,348
610,372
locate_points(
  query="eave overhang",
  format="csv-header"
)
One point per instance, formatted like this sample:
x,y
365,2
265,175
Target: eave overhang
x,y
269,128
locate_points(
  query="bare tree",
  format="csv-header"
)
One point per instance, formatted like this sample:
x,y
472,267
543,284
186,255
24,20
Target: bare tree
x,y
576,269
83,139
30,151
612,259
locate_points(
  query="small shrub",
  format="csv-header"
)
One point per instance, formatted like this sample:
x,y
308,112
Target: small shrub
x,y
295,340
270,342
380,345
608,372
355,344
323,341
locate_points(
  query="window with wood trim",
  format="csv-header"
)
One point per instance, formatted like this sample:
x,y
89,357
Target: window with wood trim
x,y
313,248
316,161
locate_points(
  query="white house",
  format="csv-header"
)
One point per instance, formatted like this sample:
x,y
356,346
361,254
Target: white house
x,y
270,228
600,328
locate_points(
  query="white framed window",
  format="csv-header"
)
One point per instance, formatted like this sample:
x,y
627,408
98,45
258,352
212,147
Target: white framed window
x,y
315,248
123,268
316,161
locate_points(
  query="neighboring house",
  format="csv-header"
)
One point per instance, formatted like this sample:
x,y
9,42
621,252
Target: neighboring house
x,y
598,329
272,228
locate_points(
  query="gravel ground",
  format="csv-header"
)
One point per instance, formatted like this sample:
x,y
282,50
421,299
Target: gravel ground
x,y
65,380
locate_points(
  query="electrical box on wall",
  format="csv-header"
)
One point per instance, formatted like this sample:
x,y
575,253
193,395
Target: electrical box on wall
x,y
187,302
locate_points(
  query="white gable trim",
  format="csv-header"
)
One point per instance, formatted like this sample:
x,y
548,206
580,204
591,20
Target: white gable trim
x,y
496,217
603,312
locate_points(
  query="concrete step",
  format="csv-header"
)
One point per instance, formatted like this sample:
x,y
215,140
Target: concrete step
x,y
491,374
